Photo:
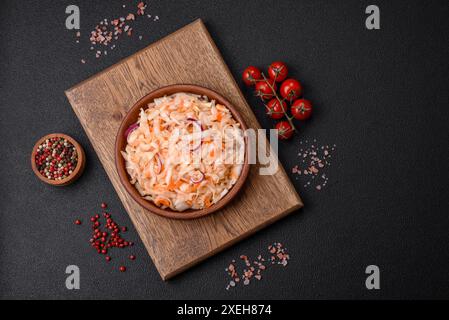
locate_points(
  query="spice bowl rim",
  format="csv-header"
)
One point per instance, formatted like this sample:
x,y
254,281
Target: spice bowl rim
x,y
79,166
132,116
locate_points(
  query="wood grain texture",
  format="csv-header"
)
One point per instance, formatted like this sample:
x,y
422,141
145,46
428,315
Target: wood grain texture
x,y
187,56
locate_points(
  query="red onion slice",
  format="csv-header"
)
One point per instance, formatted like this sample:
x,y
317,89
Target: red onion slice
x,y
196,176
159,164
130,129
197,141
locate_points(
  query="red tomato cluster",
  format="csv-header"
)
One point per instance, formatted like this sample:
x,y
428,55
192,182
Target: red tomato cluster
x,y
290,92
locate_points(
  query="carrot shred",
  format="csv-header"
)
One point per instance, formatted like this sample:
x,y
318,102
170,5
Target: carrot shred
x,y
163,202
207,201
172,185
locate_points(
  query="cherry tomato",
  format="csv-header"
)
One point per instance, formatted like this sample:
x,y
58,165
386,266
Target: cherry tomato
x,y
302,109
274,109
250,75
291,89
285,130
264,90
278,70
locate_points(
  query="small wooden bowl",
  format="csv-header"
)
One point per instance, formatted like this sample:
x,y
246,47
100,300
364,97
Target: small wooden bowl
x,y
78,169
132,117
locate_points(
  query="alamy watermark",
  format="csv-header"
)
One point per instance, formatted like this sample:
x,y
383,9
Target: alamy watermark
x,y
373,280
73,20
231,146
372,22
72,282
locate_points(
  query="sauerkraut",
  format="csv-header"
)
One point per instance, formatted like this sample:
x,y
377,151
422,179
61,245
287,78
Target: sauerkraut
x,y
185,152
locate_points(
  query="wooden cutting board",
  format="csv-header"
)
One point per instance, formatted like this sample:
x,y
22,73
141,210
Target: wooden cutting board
x,y
189,55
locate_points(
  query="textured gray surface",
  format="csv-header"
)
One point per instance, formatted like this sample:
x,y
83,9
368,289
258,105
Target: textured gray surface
x,y
380,96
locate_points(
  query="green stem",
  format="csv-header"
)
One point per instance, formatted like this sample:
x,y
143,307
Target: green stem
x,y
279,100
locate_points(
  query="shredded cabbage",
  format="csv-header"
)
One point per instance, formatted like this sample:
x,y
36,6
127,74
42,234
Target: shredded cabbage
x,y
186,153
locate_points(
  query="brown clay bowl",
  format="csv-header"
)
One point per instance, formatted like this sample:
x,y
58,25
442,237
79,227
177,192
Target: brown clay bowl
x,y
78,169
132,117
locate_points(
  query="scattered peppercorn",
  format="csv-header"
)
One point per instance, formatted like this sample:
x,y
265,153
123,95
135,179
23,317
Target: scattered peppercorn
x,y
106,235
110,237
56,158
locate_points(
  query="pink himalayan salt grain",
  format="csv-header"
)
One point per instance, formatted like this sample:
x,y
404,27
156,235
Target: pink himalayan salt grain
x,y
108,31
141,8
278,255
313,160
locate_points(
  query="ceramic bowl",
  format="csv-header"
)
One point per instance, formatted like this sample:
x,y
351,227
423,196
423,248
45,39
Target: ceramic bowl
x,y
132,117
78,169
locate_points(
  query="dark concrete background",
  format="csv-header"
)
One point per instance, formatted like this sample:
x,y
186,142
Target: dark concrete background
x,y
380,96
